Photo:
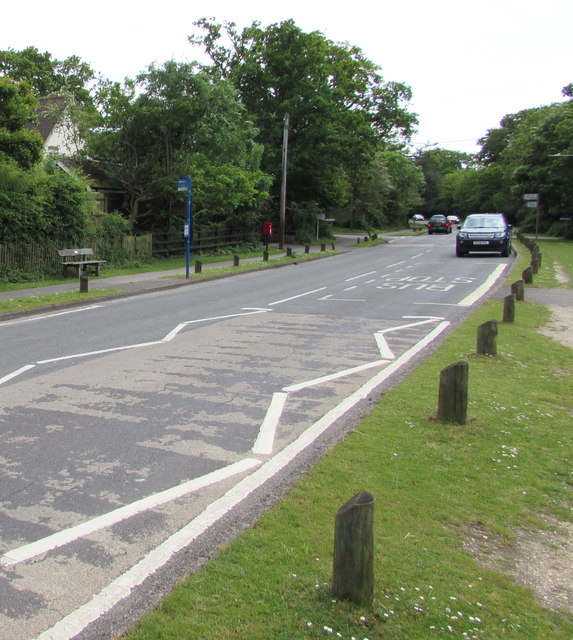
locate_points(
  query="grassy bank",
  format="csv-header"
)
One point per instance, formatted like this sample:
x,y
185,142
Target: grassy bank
x,y
52,299
452,503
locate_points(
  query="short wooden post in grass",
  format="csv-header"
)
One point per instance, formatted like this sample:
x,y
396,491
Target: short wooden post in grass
x,y
527,275
306,248
333,247
518,290
353,563
198,266
236,259
84,282
535,261
487,338
265,256
509,308
289,252
453,393
323,247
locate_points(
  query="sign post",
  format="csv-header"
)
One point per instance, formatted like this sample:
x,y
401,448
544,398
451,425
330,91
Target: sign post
x,y
532,201
186,184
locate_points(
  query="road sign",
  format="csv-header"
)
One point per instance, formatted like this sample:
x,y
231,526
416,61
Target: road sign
x,y
186,184
532,203
531,196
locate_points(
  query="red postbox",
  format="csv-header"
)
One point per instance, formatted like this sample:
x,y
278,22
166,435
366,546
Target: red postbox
x,y
267,228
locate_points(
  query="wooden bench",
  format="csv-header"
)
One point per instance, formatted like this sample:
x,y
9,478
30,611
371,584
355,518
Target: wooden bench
x,y
78,260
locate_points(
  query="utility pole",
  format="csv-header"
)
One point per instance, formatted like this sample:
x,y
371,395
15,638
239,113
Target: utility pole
x,y
283,183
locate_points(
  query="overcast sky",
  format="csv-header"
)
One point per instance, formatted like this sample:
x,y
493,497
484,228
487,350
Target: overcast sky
x,y
468,63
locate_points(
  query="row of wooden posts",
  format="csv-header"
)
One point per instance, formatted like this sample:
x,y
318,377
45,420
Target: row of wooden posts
x,y
453,391
353,562
237,259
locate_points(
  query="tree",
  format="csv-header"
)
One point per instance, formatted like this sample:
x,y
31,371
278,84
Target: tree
x,y
46,76
436,164
173,122
43,203
17,142
528,153
338,105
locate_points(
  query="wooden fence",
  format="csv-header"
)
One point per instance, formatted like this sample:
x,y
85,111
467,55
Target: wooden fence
x,y
43,257
173,244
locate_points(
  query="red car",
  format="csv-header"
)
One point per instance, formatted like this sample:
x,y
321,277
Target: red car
x,y
439,224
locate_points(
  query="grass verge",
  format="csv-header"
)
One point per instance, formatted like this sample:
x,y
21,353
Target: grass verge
x,y
434,484
49,300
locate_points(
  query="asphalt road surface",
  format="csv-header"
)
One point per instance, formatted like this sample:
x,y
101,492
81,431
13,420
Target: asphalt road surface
x,y
136,434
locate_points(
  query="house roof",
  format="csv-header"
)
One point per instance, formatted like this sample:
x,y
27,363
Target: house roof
x,y
49,114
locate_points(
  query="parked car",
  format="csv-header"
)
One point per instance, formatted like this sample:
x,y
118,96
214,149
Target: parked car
x,y
417,219
484,232
454,220
439,224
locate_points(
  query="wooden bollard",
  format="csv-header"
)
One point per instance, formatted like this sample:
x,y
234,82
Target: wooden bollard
x,y
527,275
487,338
289,252
84,282
236,259
453,393
198,266
535,262
323,247
265,256
518,290
306,248
366,238
509,308
333,247
353,562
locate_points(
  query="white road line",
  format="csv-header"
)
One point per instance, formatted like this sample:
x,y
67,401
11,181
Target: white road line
x,y
266,438
16,373
329,297
383,347
334,376
226,317
122,586
410,325
113,517
43,316
300,295
395,264
99,352
362,275
483,288
172,334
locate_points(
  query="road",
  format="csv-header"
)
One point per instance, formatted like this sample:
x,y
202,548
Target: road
x,y
134,432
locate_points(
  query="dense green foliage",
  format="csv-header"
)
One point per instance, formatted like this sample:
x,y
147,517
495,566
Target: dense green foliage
x,y
531,152
223,124
42,203
171,123
47,76
340,111
18,144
